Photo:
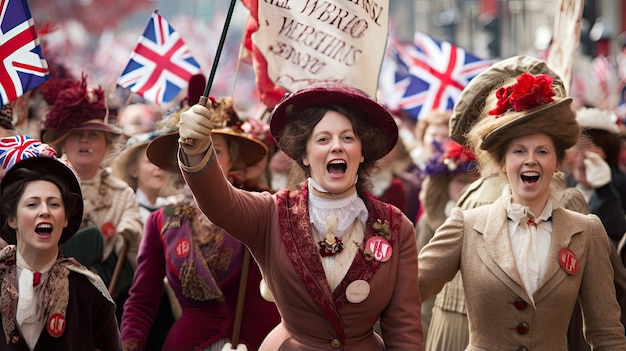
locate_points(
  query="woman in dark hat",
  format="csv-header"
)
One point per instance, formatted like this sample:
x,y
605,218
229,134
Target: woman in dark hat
x,y
335,259
76,125
202,263
48,301
526,260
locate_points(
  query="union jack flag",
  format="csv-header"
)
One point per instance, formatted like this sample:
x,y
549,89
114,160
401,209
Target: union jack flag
x,y
23,64
161,64
428,75
19,147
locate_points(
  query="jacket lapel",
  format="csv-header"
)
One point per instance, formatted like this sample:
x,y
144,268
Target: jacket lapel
x,y
496,251
303,253
563,230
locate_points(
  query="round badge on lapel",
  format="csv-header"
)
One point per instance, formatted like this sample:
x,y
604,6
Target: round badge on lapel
x,y
56,325
108,230
568,261
182,248
380,248
358,291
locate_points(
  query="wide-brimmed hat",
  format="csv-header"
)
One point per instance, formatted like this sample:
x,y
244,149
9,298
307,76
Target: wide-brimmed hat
x,y
595,118
73,107
121,163
331,93
468,107
517,110
22,152
163,150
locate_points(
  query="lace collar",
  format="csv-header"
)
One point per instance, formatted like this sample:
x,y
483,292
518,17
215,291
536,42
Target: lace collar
x,y
346,206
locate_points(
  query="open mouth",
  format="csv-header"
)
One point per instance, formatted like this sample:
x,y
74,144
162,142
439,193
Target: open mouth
x,y
530,177
86,151
337,167
44,229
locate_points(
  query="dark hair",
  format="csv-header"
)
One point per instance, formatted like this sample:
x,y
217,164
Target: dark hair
x,y
12,193
294,137
608,142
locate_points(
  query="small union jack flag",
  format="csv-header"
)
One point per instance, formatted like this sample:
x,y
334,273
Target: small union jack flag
x,y
23,65
429,75
161,64
16,148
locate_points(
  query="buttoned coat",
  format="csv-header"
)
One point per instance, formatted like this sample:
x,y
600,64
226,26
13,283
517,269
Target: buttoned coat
x,y
278,232
500,315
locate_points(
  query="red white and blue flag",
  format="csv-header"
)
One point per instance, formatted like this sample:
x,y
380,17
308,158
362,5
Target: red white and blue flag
x,y
161,64
23,65
19,147
426,75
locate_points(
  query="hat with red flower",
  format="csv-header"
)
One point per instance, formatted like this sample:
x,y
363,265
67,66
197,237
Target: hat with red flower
x,y
73,106
470,103
528,106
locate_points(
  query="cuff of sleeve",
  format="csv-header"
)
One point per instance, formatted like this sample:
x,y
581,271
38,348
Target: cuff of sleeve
x,y
201,166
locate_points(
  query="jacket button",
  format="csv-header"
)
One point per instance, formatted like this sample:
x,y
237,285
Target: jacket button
x,y
519,304
522,328
335,344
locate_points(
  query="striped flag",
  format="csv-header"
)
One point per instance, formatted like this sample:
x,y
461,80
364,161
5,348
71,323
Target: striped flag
x,y
23,65
427,75
161,64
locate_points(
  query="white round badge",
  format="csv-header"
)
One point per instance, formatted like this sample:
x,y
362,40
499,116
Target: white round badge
x,y
358,291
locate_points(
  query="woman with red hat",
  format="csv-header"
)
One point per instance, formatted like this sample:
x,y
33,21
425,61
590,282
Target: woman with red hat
x,y
76,125
48,301
335,259
525,259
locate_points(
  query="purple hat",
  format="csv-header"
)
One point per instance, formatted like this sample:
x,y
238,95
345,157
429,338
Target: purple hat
x,y
330,93
20,151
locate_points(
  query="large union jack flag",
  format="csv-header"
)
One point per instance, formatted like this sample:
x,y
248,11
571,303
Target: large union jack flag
x,y
428,75
161,64
23,64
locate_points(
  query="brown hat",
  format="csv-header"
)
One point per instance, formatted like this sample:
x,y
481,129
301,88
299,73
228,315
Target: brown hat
x,y
471,101
526,107
6,117
163,150
330,93
73,107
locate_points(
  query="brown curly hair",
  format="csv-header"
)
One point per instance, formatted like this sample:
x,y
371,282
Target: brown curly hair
x,y
293,138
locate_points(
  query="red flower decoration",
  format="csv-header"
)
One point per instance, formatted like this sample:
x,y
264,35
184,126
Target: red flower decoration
x,y
529,92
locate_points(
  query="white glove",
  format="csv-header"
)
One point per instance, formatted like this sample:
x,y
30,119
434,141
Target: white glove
x,y
194,130
597,171
229,347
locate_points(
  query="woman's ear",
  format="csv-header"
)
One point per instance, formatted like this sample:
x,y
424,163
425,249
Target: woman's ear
x,y
305,161
12,222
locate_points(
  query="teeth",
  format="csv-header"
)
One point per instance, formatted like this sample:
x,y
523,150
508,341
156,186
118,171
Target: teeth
x,y
530,174
44,226
337,162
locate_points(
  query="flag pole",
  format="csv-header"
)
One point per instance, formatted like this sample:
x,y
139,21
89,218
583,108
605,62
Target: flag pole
x,y
218,53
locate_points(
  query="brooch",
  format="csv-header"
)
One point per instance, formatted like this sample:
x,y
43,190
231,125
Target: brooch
x,y
331,245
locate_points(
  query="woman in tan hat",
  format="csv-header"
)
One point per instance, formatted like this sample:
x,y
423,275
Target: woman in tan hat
x,y
76,126
335,259
48,301
204,265
525,260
